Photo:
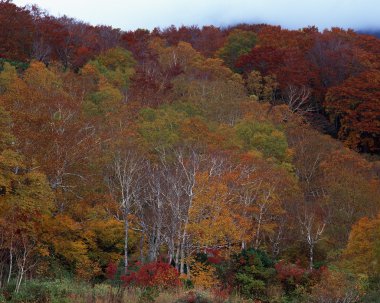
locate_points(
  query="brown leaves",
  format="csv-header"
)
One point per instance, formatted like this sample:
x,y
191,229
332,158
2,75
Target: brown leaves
x,y
355,107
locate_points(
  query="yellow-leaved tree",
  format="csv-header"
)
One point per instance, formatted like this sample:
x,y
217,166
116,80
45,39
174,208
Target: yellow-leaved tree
x,y
363,249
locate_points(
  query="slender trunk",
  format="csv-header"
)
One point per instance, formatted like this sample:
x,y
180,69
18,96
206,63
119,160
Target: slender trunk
x,y
10,262
154,243
21,272
19,279
170,251
183,244
152,248
243,245
311,256
142,239
188,270
258,230
1,276
177,255
158,241
178,252
126,227
184,235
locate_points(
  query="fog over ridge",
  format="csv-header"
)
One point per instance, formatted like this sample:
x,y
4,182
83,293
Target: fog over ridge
x,y
292,14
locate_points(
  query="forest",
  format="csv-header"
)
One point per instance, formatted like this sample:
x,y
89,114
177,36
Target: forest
x,y
187,164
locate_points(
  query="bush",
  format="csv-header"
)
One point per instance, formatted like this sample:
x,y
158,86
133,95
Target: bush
x,y
203,275
194,297
249,272
114,272
40,291
56,291
372,290
291,275
148,295
155,274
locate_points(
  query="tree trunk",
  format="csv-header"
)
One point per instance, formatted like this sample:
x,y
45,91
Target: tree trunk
x,y
142,239
311,256
126,227
258,230
188,270
1,276
21,273
10,263
152,248
243,245
182,260
177,255
19,280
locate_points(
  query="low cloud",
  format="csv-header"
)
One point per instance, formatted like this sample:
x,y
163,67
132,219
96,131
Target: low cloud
x,y
129,15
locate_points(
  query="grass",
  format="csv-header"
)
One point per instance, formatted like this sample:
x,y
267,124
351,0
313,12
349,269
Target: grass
x,y
70,291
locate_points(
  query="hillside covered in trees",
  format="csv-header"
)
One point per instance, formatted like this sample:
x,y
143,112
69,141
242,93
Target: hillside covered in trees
x,y
202,164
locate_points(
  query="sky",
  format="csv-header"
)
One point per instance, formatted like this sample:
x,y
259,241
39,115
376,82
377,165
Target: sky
x,y
148,14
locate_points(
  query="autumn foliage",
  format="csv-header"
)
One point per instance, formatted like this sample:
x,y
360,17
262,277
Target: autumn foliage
x,y
155,274
246,158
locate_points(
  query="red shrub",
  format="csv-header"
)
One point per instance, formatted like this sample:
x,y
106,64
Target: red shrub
x,y
157,274
286,271
221,294
213,256
111,271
